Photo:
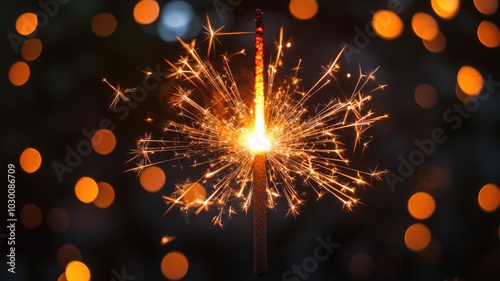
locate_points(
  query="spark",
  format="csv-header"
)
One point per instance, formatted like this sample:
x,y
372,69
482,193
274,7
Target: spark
x,y
119,94
306,143
212,34
166,239
147,73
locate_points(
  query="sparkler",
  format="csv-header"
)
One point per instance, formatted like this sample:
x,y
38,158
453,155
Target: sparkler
x,y
260,144
258,154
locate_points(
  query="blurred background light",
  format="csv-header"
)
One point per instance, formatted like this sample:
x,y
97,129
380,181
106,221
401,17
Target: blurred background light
x,y
417,237
26,23
387,24
31,49
103,141
146,11
426,96
489,197
489,34
19,73
105,196
77,271
174,265
86,190
470,80
103,24
194,194
30,160
421,205
303,9
177,19
152,178
446,9
437,44
424,26
486,7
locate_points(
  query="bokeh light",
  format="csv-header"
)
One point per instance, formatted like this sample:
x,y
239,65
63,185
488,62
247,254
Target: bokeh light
x,y
424,26
67,253
77,271
146,11
437,44
194,194
176,18
19,73
58,220
174,265
152,178
486,7
105,196
26,23
446,9
86,190
489,197
103,24
426,96
103,141
470,80
31,49
417,237
489,34
421,205
30,160
303,9
387,24
31,216
361,266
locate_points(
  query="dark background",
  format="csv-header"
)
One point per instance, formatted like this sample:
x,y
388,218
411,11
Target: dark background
x,y
65,94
